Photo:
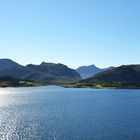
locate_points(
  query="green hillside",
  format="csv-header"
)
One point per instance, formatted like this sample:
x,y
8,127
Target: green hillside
x,y
126,76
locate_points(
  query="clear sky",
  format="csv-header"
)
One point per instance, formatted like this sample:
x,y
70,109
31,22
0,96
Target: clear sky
x,y
73,32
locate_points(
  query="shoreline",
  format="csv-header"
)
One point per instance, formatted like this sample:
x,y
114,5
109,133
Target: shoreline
x,y
71,86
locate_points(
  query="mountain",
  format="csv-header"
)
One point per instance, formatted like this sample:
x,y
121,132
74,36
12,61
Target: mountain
x,y
126,76
7,64
48,73
88,71
52,73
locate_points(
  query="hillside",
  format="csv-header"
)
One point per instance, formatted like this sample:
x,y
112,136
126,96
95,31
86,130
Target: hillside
x,y
126,76
52,73
48,73
7,64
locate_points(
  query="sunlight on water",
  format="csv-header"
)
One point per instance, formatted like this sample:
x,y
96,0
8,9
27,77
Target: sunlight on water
x,y
4,97
5,91
52,113
9,96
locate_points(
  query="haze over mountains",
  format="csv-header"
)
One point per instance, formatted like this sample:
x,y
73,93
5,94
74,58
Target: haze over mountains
x,y
91,70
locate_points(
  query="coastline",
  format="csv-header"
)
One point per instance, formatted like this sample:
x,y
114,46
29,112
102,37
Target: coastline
x,y
71,86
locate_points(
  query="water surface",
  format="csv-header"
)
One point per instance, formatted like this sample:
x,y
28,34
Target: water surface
x,y
56,113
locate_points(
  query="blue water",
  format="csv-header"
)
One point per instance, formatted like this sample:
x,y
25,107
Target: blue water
x,y
56,113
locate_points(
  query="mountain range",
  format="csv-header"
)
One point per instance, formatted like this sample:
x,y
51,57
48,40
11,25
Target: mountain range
x,y
14,74
48,73
88,71
125,76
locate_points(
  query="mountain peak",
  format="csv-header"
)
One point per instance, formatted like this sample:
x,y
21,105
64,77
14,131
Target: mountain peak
x,y
88,71
93,65
7,63
43,63
6,60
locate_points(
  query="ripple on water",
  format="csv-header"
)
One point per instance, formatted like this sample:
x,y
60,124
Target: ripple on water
x,y
69,114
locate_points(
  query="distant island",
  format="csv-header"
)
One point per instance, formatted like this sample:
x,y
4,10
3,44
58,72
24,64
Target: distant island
x,y
13,74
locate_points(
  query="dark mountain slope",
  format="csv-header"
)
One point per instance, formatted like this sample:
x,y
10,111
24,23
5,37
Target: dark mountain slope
x,y
49,73
123,76
52,73
16,72
7,64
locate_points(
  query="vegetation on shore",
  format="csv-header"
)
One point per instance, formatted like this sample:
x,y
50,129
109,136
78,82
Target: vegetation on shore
x,y
100,86
11,82
8,81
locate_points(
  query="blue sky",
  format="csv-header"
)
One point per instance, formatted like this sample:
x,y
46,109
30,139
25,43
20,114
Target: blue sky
x,y
73,32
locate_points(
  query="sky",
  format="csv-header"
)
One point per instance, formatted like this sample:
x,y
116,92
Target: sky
x,y
72,32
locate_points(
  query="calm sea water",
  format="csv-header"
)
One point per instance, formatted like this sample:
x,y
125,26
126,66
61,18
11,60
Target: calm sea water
x,y
56,113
